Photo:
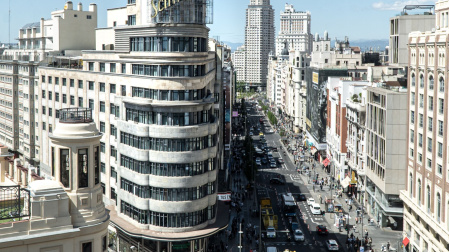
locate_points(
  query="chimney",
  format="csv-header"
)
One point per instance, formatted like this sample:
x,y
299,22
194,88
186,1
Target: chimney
x,y
68,6
80,6
93,8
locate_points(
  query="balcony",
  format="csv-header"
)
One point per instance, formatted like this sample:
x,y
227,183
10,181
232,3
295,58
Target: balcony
x,y
75,115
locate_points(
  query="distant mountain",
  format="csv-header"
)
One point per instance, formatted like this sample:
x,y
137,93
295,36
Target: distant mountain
x,y
232,45
375,44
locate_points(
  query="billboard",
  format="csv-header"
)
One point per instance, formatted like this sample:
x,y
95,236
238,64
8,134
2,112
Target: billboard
x,y
316,112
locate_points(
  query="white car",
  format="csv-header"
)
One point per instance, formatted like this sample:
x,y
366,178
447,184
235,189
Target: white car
x,y
315,208
271,232
310,201
299,235
332,245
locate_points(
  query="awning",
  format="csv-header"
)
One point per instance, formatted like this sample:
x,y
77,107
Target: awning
x,y
326,162
345,182
314,151
406,241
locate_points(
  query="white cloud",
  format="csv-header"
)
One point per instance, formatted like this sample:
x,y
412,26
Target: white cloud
x,y
399,5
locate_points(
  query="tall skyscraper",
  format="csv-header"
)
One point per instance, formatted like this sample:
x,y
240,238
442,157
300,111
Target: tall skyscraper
x,y
294,29
259,40
426,198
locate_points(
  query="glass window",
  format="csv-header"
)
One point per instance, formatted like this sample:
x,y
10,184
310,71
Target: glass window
x,y
64,98
102,67
441,84
64,167
91,66
83,168
112,88
91,85
112,67
72,100
72,83
80,84
102,106
102,87
91,104
97,165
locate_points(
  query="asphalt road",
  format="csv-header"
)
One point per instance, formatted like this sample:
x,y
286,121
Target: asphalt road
x,y
294,185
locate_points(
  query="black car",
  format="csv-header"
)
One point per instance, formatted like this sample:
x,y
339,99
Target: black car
x,y
302,197
277,181
322,230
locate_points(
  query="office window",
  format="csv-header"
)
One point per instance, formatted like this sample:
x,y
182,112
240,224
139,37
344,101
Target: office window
x,y
102,67
102,106
83,168
430,124
420,140
411,152
80,84
87,247
102,127
64,98
430,103
72,83
132,20
431,82
440,128
412,98
112,88
72,100
102,147
421,81
440,150
420,158
421,100
80,102
413,79
412,117
44,110
43,94
441,84
440,169
57,113
429,163
50,95
91,104
421,120
50,112
64,82
112,67
64,171
412,136
57,80
91,66
91,85
440,106
123,90
102,87
123,68
429,144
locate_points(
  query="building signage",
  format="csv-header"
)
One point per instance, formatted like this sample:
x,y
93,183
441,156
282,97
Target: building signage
x,y
161,5
224,196
315,78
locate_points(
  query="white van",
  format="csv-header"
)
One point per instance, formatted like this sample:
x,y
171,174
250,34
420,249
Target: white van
x,y
315,208
272,249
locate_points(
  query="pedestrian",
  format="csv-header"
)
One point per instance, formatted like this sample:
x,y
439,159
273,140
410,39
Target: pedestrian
x,y
346,200
356,220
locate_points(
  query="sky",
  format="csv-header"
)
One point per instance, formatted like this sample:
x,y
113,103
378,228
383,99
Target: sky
x,y
357,19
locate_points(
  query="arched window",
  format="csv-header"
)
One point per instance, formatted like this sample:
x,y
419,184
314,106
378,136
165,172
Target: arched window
x,y
421,81
428,199
441,84
438,207
410,188
419,191
413,80
431,82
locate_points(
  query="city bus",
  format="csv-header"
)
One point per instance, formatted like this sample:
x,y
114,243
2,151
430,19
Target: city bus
x,y
289,204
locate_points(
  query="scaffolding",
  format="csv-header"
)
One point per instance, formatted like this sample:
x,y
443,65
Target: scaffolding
x,y
181,11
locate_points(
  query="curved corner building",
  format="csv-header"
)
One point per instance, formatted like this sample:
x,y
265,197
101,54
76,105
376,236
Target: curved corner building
x,y
152,85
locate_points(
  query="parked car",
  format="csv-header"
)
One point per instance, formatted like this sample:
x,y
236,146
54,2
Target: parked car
x,y
310,201
258,162
277,181
264,160
299,235
302,197
273,165
322,230
271,232
315,208
280,160
332,245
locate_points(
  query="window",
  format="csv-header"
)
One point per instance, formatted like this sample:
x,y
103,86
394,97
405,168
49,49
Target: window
x,y
440,106
430,102
91,85
429,144
441,84
50,95
80,102
112,67
102,87
421,120
440,169
43,94
421,100
44,110
438,207
104,243
64,82
123,68
57,80
64,172
420,140
91,66
91,104
89,17
112,88
80,84
102,147
421,81
97,165
412,152
440,128
412,117
431,82
430,124
64,98
102,127
413,80
132,20
86,247
440,150
131,1
420,158
419,191
102,106
57,113
412,136
72,83
50,112
83,168
123,90
428,199
102,67
72,100
412,98
429,163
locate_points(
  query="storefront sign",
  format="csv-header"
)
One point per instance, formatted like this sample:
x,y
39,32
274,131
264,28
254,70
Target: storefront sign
x,y
162,5
315,78
224,196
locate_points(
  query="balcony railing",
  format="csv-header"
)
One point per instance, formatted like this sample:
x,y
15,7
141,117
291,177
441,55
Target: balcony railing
x,y
75,115
14,203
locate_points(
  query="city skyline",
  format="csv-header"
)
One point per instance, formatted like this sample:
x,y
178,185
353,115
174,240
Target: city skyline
x,y
363,20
